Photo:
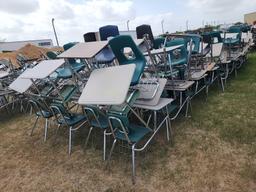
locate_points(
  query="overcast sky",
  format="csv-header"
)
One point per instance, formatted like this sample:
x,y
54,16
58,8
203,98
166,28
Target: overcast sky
x,y
31,19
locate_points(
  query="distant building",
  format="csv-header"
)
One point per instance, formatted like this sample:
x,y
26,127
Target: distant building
x,y
250,18
15,45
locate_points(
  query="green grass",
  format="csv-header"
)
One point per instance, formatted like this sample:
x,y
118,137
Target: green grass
x,y
232,113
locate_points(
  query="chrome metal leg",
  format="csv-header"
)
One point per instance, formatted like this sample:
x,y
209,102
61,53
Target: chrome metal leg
x,y
196,87
45,129
207,91
167,130
37,117
155,120
171,131
133,164
88,136
31,110
190,105
222,85
111,150
187,106
21,106
167,125
104,145
13,105
70,140
58,128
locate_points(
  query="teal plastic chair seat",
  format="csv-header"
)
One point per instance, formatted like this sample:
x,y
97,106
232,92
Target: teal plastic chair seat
x,y
102,120
45,114
64,73
73,119
136,133
77,67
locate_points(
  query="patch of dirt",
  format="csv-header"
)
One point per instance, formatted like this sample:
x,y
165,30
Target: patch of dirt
x,y
29,51
199,161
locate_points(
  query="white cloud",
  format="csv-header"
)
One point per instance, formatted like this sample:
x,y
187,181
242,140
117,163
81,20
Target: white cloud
x,y
108,10
19,6
72,20
154,21
230,10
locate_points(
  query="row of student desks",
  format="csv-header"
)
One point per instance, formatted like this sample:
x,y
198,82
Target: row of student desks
x,y
103,86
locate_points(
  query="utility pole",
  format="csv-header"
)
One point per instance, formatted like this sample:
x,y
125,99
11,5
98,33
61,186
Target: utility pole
x,y
127,23
187,25
55,34
162,24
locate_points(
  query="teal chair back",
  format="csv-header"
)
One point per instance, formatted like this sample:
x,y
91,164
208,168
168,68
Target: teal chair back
x,y
182,57
51,55
40,107
209,37
61,113
235,29
158,42
68,46
196,40
118,44
119,126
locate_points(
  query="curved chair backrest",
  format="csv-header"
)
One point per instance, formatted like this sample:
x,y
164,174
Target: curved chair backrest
x,y
108,31
118,44
35,105
118,115
68,45
209,37
235,29
245,28
183,50
143,30
119,125
158,42
196,42
60,113
39,106
51,55
89,37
